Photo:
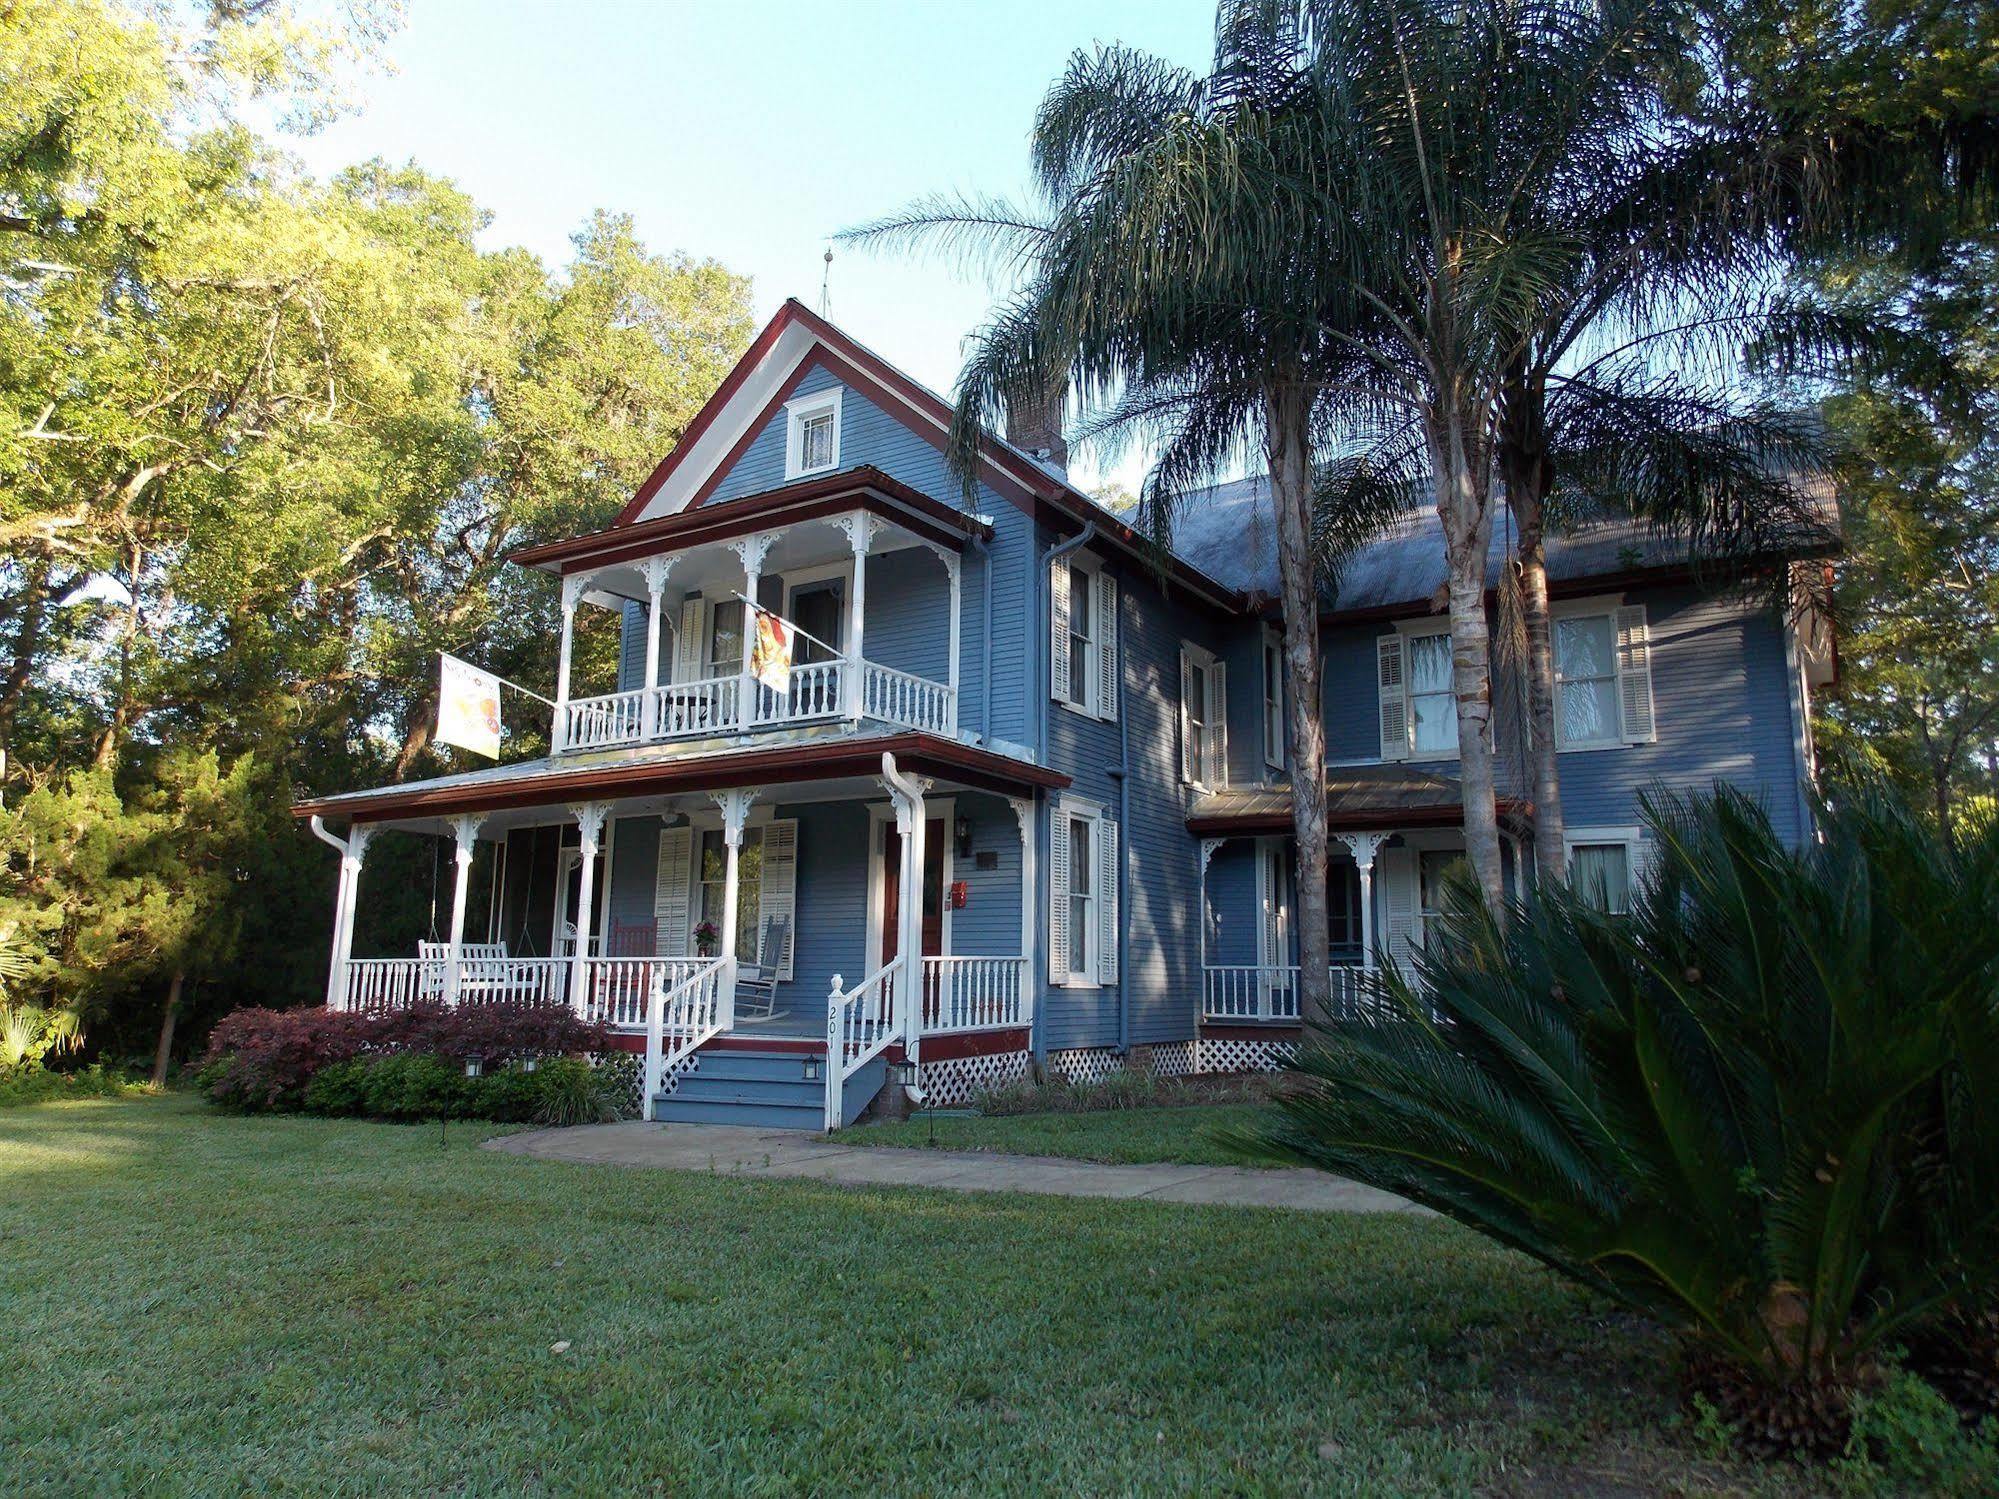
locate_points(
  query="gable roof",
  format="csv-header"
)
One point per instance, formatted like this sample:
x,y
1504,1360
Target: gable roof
x,y
798,338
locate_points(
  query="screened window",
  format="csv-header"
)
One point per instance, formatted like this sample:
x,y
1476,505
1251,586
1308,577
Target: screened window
x,y
1082,895
1433,710
1601,874
1082,636
1586,704
714,869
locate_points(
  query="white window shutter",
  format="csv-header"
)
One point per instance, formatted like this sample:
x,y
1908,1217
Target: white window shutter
x,y
780,888
1634,676
1058,630
1058,897
1107,894
693,642
669,892
1391,680
1401,908
1217,757
1107,655
1190,750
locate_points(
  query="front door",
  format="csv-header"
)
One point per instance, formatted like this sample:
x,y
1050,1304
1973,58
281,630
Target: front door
x,y
933,888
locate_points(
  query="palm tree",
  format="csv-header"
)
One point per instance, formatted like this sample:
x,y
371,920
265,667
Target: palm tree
x,y
1189,275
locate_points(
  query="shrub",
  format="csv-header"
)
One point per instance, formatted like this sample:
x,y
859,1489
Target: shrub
x,y
338,1088
411,1085
511,1095
36,1084
573,1092
1757,1108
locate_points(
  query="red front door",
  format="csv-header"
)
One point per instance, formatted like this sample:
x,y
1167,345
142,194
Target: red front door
x,y
933,888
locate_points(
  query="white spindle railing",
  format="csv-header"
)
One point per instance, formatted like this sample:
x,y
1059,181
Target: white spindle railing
x,y
814,692
391,983
861,1022
685,710
975,994
680,1018
1270,992
620,987
905,698
602,722
517,981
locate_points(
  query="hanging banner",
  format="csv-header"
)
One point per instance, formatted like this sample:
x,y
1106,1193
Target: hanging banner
x,y
468,707
770,652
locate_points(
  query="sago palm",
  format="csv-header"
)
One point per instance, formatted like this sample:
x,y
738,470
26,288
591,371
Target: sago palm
x,y
1756,1108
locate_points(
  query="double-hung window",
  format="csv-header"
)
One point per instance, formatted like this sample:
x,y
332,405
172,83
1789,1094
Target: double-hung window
x,y
1082,637
1604,865
1203,718
1273,700
812,434
1083,895
1603,675
1419,710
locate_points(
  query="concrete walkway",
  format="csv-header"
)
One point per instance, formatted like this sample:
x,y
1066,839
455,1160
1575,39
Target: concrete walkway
x,y
737,1150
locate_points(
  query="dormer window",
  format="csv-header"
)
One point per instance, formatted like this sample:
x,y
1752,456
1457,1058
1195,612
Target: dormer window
x,y
813,445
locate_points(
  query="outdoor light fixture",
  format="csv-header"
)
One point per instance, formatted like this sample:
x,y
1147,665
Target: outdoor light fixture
x,y
528,1064
904,1072
472,1066
812,1069
963,829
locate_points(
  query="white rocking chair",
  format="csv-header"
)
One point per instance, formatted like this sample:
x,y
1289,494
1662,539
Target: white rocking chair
x,y
756,983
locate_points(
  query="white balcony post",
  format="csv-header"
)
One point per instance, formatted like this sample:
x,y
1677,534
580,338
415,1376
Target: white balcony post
x,y
466,832
735,807
952,565
860,528
1209,847
1363,847
752,550
344,900
657,570
590,828
572,594
1023,812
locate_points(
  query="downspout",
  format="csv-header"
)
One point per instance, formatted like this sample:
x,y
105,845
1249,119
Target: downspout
x,y
1039,1037
909,913
341,897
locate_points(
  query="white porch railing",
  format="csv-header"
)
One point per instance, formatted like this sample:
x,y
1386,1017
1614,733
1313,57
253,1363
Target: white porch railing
x,y
603,722
975,994
690,710
374,984
861,1022
1270,992
814,692
620,987
912,701
391,983
680,1018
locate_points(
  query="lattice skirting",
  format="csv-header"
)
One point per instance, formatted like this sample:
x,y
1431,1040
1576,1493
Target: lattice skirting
x,y
1090,1064
960,1079
1243,1056
1176,1058
629,1070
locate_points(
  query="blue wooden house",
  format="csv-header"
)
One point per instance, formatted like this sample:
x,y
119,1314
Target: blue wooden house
x,y
1021,798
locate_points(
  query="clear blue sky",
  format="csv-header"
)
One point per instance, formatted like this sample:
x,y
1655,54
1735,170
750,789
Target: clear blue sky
x,y
748,131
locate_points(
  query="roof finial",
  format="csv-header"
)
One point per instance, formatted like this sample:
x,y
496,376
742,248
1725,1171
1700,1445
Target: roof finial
x,y
826,286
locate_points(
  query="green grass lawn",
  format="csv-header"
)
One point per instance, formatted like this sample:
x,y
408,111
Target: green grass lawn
x,y
200,1304
1184,1133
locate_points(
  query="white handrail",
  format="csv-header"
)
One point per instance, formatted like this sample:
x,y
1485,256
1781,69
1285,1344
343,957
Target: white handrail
x,y
861,1023
679,1021
975,994
905,698
620,988
600,722
1268,991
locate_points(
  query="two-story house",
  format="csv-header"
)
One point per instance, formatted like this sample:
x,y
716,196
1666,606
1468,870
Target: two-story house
x,y
1023,795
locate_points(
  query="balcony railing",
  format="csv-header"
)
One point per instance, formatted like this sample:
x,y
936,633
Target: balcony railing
x,y
1248,992
818,693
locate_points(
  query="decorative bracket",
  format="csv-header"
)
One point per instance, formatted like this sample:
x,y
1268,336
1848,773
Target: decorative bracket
x,y
590,817
359,835
1023,812
1363,847
1208,849
466,829
752,550
735,805
657,570
860,528
573,586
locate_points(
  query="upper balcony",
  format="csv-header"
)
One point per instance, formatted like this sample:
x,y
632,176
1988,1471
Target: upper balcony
x,y
811,553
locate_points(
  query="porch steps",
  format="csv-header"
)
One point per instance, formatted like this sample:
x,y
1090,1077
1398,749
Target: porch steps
x,y
766,1089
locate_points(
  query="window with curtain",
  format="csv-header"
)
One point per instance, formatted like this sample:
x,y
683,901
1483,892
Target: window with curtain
x,y
725,638
815,442
1601,874
1586,679
1433,710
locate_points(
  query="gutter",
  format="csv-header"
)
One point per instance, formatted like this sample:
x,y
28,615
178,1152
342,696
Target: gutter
x,y
1038,1038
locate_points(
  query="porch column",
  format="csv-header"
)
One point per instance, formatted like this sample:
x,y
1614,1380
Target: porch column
x,y
860,528
1363,847
466,831
345,892
657,569
752,550
558,733
911,823
735,807
590,825
952,563
1023,813
1209,847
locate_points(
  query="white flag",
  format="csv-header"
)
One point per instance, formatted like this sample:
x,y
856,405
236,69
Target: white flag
x,y
468,707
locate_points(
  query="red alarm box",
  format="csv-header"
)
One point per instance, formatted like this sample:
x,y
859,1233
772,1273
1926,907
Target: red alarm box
x,y
961,895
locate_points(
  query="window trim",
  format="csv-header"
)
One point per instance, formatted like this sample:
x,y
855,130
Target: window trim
x,y
1410,631
798,410
1629,836
1092,705
1274,727
807,577
1206,777
1604,607
882,815
1080,809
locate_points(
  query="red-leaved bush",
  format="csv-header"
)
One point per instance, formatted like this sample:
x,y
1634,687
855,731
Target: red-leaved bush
x,y
263,1059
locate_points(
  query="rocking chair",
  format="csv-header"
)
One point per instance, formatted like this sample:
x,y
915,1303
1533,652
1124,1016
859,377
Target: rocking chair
x,y
756,983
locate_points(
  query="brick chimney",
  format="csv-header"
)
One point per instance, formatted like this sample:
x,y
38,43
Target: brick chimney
x,y
1036,428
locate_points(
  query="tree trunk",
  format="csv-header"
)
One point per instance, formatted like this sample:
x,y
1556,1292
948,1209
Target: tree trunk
x,y
1544,774
112,742
1463,505
1288,420
34,603
163,1053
